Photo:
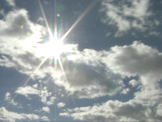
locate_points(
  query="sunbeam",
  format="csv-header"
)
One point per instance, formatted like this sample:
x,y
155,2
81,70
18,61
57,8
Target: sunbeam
x,y
55,44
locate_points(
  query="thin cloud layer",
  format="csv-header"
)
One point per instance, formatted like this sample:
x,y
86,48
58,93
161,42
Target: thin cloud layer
x,y
11,3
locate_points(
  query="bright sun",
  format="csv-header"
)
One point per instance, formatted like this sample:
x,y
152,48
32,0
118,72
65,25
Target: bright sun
x,y
53,48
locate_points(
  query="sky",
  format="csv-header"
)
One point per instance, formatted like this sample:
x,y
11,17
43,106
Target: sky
x,y
81,60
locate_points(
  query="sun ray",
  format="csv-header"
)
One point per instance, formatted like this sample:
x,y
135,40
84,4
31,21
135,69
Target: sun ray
x,y
78,20
57,58
45,19
62,68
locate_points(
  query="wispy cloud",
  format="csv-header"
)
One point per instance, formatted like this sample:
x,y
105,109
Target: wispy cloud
x,y
127,15
11,3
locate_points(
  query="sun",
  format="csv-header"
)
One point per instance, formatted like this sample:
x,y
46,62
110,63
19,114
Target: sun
x,y
53,48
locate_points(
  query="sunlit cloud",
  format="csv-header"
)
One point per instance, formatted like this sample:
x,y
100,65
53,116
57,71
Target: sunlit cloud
x,y
53,71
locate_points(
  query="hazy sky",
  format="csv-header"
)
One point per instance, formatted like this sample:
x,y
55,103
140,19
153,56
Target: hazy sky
x,y
81,60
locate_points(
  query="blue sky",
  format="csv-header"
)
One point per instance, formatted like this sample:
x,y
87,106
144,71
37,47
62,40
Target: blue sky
x,y
80,60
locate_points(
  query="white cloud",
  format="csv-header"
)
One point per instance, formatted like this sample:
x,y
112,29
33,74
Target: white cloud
x,y
45,118
142,61
28,90
114,111
42,93
150,94
136,59
11,101
19,37
159,110
46,109
11,3
124,91
133,82
6,115
51,101
35,85
7,96
127,14
60,105
93,80
40,20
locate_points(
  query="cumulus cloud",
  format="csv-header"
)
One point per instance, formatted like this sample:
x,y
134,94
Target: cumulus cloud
x,y
51,101
6,115
87,80
19,36
142,61
42,93
46,109
27,90
45,118
60,105
137,60
114,111
21,51
134,82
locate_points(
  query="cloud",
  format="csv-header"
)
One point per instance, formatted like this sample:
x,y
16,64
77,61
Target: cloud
x,y
28,90
19,37
134,82
6,115
45,118
136,59
127,15
114,111
21,52
142,61
159,110
149,94
10,100
60,105
43,93
87,80
51,101
7,96
2,12
46,109
11,3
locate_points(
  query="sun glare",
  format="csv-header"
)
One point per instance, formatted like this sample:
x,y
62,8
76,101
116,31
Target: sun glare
x,y
53,48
